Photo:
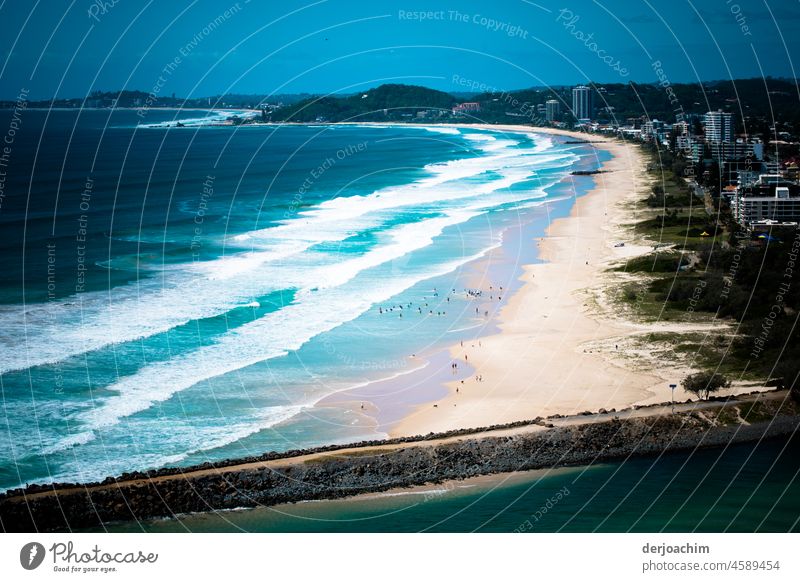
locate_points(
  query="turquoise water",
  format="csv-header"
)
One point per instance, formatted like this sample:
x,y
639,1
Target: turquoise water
x,y
744,488
170,296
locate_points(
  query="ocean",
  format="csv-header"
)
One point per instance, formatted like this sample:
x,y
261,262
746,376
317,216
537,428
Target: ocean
x,y
175,295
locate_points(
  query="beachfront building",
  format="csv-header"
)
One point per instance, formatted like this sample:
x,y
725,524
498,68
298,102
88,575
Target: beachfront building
x,y
719,126
552,110
582,103
770,198
681,129
738,150
462,108
652,129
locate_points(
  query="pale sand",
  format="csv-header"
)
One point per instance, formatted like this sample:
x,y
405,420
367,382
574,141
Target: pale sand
x,y
546,360
562,348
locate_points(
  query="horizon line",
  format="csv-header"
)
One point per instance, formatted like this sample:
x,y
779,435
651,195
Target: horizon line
x,y
490,90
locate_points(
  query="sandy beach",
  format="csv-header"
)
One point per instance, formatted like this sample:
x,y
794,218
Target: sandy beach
x,y
539,364
559,347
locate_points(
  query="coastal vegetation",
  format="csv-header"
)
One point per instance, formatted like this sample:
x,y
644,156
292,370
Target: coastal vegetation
x,y
389,102
704,383
705,267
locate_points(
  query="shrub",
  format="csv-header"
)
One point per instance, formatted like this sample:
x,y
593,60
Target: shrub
x,y
707,382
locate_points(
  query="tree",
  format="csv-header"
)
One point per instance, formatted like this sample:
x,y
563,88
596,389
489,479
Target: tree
x,y
707,382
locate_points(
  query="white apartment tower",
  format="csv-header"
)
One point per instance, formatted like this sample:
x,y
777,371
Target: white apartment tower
x,y
719,126
553,109
582,102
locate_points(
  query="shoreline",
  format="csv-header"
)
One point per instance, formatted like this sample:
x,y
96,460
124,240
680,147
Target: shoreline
x,y
536,365
551,348
379,466
389,402
529,336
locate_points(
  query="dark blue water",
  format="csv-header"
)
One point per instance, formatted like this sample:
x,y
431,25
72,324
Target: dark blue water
x,y
146,188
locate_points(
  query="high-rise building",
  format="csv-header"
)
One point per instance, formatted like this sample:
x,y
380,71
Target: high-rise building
x,y
552,109
719,126
582,102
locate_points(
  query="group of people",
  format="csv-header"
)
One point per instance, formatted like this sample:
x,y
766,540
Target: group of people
x,y
400,308
478,293
469,294
454,364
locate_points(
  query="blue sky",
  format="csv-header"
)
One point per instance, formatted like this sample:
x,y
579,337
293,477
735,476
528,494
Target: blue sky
x,y
69,48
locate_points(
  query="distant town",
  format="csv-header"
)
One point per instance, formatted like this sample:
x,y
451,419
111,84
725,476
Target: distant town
x,y
735,141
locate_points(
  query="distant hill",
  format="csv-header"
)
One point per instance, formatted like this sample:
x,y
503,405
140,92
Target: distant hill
x,y
754,101
133,98
387,102
757,103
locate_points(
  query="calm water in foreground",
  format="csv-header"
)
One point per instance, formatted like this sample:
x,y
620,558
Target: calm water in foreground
x,y
744,488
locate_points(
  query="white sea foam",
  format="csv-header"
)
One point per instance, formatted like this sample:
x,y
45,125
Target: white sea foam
x,y
75,439
332,288
212,118
444,130
279,332
190,437
479,137
183,293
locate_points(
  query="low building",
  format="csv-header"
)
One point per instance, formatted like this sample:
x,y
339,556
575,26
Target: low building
x,y
680,128
652,129
771,198
766,226
471,107
736,150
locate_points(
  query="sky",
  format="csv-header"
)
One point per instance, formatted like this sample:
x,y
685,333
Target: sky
x,y
195,48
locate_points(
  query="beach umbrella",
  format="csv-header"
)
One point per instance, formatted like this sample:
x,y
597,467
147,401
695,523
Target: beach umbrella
x,y
704,233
